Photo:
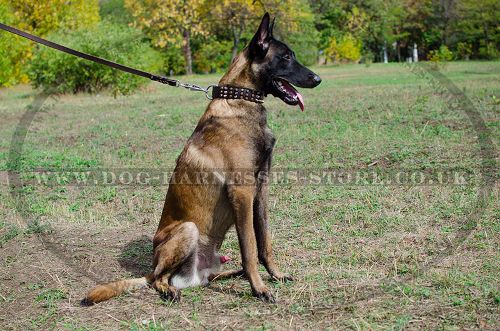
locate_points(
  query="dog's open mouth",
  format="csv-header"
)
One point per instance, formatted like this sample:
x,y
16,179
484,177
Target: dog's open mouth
x,y
286,92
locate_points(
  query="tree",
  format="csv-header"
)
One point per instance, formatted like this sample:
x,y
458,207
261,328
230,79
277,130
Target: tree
x,y
295,26
11,50
169,22
232,16
478,25
40,18
43,17
348,49
115,11
342,25
237,19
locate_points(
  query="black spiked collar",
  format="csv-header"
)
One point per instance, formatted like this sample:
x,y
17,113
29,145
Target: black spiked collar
x,y
235,92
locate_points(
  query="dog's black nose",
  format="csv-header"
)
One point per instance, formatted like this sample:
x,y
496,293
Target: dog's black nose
x,y
315,78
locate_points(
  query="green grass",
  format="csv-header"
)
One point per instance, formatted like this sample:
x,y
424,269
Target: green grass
x,y
363,256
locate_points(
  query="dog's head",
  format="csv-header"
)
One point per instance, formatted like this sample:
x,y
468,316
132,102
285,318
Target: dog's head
x,y
274,63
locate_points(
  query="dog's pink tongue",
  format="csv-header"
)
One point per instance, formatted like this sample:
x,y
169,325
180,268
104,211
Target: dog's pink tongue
x,y
301,101
224,259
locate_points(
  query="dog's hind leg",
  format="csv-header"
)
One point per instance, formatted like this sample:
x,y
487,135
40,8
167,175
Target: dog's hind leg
x,y
226,274
174,245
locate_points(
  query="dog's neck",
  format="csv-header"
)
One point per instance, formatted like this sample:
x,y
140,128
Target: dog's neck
x,y
240,73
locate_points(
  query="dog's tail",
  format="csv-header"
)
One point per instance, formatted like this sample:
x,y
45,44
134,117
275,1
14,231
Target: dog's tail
x,y
107,291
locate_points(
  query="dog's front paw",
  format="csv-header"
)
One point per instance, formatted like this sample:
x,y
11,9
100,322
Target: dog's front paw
x,y
265,295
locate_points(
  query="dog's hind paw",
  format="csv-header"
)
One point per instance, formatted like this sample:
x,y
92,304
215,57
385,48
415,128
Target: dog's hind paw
x,y
171,294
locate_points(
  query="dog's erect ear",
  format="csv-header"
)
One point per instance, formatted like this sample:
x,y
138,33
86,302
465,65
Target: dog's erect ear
x,y
260,41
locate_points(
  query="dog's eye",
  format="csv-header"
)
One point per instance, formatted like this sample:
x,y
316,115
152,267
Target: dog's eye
x,y
286,57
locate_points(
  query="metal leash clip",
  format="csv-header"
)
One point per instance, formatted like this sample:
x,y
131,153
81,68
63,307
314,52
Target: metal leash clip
x,y
193,87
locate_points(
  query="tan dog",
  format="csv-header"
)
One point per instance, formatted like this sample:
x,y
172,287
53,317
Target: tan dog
x,y
232,136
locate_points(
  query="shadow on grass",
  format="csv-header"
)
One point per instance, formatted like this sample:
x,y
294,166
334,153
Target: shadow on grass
x,y
136,256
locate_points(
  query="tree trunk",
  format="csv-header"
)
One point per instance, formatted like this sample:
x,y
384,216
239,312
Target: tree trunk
x,y
386,58
236,43
186,48
399,51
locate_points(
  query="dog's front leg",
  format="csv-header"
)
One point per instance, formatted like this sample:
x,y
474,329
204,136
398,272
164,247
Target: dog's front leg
x,y
261,224
242,198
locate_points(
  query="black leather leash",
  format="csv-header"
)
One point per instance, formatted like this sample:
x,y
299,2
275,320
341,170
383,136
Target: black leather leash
x,y
218,92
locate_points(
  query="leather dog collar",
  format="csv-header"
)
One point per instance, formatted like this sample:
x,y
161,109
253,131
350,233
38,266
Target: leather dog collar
x,y
235,92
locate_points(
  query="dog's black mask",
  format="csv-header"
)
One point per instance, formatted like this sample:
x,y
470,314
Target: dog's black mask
x,y
276,65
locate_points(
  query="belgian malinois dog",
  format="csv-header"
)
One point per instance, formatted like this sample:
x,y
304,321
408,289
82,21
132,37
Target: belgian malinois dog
x,y
231,135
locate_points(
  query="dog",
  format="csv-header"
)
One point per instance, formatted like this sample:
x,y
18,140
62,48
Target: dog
x,y
231,135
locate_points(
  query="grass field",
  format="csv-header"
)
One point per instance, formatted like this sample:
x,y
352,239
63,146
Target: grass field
x,y
363,256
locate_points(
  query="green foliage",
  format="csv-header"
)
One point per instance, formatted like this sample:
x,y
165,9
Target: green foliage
x,y
229,20
169,22
347,49
12,51
9,232
477,24
329,24
428,23
203,35
489,51
174,61
305,43
115,11
443,54
119,43
44,17
213,56
49,296
464,51
41,18
295,26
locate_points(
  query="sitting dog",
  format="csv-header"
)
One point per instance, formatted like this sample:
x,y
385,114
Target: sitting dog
x,y
233,136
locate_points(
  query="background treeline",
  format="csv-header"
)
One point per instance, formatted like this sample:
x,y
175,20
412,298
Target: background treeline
x,y
441,29
186,36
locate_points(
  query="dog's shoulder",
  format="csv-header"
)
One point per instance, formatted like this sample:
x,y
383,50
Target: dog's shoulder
x,y
231,132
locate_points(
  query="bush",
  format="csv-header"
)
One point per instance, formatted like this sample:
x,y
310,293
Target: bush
x,y
443,54
367,58
60,72
347,49
464,51
115,11
488,51
175,62
212,56
13,51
